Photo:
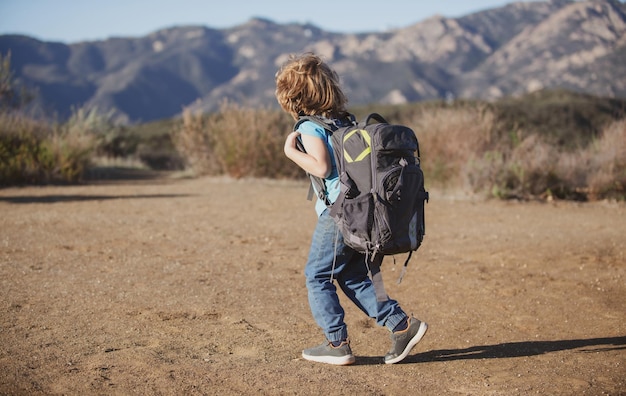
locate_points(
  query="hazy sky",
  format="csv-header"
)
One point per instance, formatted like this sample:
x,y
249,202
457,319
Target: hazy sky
x,y
71,21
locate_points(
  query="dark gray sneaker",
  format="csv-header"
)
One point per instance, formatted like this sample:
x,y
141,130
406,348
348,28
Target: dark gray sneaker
x,y
403,341
327,353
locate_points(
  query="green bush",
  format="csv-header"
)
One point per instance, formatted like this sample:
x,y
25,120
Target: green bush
x,y
35,152
565,119
149,144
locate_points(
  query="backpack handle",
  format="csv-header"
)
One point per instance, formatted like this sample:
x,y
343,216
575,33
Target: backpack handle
x,y
377,117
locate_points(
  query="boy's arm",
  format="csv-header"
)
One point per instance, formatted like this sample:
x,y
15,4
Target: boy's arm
x,y
316,159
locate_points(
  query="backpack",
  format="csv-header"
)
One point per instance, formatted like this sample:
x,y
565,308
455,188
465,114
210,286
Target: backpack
x,y
380,208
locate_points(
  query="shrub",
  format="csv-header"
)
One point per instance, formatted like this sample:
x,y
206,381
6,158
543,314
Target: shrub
x,y
37,152
145,145
20,150
195,144
518,170
535,168
34,151
463,145
478,147
449,138
565,119
601,167
13,95
237,141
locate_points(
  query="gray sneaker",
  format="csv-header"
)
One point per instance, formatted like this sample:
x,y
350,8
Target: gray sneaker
x,y
327,353
403,341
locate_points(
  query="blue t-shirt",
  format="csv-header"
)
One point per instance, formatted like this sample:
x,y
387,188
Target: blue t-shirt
x,y
310,128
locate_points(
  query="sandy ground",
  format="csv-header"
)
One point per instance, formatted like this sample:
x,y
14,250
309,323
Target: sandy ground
x,y
195,286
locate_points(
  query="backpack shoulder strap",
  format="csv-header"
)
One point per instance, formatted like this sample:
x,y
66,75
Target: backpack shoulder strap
x,y
328,126
317,184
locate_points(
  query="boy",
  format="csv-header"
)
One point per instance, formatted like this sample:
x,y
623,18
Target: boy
x,y
306,85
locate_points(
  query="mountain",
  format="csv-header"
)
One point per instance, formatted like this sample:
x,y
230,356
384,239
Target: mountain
x,y
510,50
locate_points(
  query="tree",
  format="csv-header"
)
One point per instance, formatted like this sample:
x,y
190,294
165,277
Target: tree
x,y
13,95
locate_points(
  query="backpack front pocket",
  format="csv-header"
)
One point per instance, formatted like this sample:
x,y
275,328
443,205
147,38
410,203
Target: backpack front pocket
x,y
357,219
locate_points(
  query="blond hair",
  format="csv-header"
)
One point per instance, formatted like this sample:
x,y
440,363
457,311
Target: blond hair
x,y
305,85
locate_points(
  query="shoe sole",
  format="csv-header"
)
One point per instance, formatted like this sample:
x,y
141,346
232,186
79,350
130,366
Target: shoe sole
x,y
417,338
336,360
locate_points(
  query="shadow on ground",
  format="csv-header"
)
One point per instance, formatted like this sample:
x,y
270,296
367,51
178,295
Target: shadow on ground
x,y
35,199
122,174
509,350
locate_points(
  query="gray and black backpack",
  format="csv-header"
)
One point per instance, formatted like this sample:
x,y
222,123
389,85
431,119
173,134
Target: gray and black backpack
x,y
380,208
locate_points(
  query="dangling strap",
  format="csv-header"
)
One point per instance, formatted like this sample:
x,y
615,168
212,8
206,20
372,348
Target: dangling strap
x,y
332,270
373,265
318,188
311,192
404,267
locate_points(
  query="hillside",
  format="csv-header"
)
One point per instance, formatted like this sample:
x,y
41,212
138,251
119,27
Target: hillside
x,y
504,51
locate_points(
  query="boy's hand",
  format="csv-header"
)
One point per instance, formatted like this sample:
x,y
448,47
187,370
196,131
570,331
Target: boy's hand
x,y
290,142
314,157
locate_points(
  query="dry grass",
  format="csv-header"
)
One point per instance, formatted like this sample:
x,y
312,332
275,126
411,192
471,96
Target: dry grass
x,y
599,171
449,139
464,146
467,147
237,141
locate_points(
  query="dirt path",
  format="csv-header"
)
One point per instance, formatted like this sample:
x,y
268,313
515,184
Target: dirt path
x,y
196,287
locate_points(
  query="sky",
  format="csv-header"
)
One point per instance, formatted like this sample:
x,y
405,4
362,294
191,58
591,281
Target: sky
x,y
71,21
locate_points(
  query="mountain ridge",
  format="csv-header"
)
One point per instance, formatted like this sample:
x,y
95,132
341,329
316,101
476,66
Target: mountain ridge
x,y
509,50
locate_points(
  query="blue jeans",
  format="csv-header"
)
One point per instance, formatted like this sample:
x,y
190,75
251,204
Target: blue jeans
x,y
351,274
